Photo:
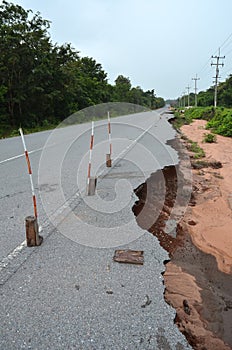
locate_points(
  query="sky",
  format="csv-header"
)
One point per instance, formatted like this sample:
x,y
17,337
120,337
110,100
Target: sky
x,y
158,44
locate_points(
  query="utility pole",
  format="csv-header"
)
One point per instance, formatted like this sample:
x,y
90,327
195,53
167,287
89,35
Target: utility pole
x,y
196,89
184,99
188,88
181,101
217,64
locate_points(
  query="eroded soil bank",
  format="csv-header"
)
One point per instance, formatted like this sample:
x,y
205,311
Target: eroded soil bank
x,y
195,286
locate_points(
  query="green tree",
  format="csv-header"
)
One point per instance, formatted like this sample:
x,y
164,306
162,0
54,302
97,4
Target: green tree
x,y
23,42
150,98
205,99
122,89
160,102
225,93
136,96
43,83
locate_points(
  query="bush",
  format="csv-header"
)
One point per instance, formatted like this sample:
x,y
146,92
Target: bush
x,y
195,148
206,113
209,138
222,122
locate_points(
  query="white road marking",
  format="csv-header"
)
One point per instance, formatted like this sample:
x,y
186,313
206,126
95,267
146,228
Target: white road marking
x,y
6,261
20,155
30,152
104,172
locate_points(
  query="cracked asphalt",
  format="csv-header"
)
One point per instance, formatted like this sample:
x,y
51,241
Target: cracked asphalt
x,y
69,293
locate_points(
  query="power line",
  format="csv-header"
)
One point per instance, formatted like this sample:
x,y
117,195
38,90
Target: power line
x,y
226,40
229,70
228,53
226,44
204,67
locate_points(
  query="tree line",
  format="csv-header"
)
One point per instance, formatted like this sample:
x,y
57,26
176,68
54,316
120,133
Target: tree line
x,y
42,83
224,95
206,98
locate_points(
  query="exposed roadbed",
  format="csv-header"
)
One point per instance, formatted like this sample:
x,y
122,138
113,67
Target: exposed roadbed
x,y
198,280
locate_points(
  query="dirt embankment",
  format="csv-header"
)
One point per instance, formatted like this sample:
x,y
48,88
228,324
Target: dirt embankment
x,y
198,277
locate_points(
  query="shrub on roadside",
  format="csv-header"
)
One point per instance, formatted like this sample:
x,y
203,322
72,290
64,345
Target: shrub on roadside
x,y
209,138
196,149
222,123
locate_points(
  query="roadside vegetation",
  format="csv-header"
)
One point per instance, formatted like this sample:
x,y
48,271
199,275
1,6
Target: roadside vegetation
x,y
209,138
221,123
42,83
219,120
195,148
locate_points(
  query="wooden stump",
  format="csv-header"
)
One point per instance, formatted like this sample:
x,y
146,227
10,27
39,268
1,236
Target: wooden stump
x,y
108,161
32,232
91,187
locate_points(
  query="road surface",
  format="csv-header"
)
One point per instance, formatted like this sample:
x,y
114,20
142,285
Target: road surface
x,y
68,293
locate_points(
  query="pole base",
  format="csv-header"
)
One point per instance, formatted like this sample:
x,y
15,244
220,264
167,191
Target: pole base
x,y
108,161
32,232
91,186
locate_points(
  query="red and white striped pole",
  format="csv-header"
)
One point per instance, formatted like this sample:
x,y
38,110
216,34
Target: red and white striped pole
x,y
109,131
108,156
90,153
32,230
30,173
91,182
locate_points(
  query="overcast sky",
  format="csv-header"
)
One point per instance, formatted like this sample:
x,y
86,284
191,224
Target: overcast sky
x,y
160,44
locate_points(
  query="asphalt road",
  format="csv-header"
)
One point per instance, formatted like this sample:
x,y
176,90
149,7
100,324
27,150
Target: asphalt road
x,y
68,293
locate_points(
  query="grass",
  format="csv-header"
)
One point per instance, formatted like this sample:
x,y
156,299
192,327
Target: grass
x,y
181,119
196,149
209,138
11,132
193,147
200,164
